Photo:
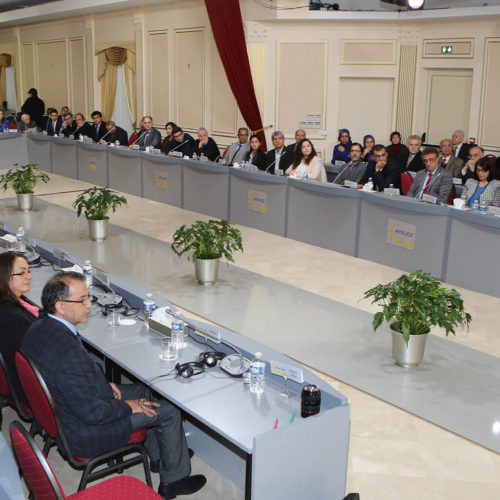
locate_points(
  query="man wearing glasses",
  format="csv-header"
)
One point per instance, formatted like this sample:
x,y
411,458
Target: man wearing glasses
x,y
383,170
355,169
98,416
150,137
182,142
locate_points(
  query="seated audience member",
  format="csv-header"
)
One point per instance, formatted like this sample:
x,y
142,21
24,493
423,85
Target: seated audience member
x,y
64,111
205,146
449,162
54,123
355,169
169,127
299,135
434,180
115,133
4,123
83,129
341,150
460,148
236,152
69,125
397,151
98,416
256,156
34,107
306,160
475,153
414,161
150,136
483,186
98,128
181,143
368,143
382,170
16,311
279,158
135,136
26,123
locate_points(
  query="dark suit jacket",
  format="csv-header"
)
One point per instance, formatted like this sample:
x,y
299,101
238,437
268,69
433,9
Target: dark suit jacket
x,y
390,174
70,130
49,127
211,151
464,152
85,129
151,138
118,135
416,164
93,421
186,149
286,159
34,107
97,136
401,157
259,161
14,321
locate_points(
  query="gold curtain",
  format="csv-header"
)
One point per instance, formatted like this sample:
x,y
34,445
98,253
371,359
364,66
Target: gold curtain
x,y
5,61
107,68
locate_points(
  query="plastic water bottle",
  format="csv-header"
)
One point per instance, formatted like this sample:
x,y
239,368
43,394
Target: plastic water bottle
x,y
88,273
21,247
475,206
369,185
483,207
177,331
149,305
306,176
194,156
117,144
257,369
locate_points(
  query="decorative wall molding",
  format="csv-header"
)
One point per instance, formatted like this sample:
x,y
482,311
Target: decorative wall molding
x,y
255,32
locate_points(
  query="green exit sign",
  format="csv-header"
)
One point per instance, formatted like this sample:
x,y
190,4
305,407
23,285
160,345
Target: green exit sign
x,y
446,49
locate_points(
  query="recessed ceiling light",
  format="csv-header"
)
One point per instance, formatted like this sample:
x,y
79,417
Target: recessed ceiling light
x,y
415,4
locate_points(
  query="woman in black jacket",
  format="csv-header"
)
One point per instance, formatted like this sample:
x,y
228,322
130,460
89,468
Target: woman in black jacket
x,y
256,156
16,311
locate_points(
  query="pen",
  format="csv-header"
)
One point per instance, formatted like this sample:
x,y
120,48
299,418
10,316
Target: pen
x,y
276,424
291,418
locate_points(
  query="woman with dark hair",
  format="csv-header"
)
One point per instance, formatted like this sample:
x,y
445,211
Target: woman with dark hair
x,y
305,160
169,129
483,186
16,311
368,143
341,150
256,156
397,151
4,123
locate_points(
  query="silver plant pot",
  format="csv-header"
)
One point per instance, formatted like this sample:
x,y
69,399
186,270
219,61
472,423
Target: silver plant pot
x,y
206,271
25,201
98,229
411,354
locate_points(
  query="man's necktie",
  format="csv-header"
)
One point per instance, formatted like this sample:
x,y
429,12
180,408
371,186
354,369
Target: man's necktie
x,y
427,185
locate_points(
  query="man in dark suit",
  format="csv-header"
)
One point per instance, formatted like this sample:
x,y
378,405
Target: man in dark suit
x,y
69,125
434,180
98,416
279,158
82,127
460,148
448,161
34,107
98,128
149,137
475,152
383,170
115,133
414,161
182,142
54,123
205,146
299,135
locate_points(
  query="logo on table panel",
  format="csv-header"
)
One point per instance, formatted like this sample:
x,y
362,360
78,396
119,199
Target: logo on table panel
x,y
257,201
161,179
401,234
92,163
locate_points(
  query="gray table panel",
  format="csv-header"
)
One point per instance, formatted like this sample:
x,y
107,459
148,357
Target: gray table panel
x,y
251,191
64,160
13,150
206,188
124,171
93,163
162,179
39,151
326,218
430,233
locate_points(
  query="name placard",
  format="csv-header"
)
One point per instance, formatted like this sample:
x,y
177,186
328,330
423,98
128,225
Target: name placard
x,y
391,191
161,179
429,199
257,201
401,234
351,184
92,163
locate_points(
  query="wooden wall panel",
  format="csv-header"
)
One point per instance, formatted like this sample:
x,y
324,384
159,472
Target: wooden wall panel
x,y
77,101
490,132
158,78
52,73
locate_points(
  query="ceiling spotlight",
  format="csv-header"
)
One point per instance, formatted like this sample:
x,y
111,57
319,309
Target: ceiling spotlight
x,y
415,4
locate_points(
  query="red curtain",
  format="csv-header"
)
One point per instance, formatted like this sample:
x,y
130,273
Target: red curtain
x,y
227,27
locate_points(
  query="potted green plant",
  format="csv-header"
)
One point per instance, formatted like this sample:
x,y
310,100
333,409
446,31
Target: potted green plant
x,y
95,204
23,180
206,243
412,305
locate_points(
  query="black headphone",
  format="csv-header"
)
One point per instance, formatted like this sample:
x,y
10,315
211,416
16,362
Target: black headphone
x,y
187,370
209,358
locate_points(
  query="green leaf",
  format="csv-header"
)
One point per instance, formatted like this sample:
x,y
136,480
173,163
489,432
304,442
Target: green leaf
x,y
95,203
23,178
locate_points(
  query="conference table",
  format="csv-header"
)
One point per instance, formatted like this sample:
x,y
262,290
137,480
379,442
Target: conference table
x,y
261,443
392,230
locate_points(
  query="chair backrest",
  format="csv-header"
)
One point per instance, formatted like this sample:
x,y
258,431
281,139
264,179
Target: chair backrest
x,y
38,473
4,384
39,397
8,393
406,182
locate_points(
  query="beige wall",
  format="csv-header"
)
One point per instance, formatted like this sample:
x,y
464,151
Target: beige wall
x,y
367,76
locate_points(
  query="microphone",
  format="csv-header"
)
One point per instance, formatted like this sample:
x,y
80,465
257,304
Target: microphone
x,y
139,135
101,140
343,170
267,169
215,161
179,145
423,187
78,128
